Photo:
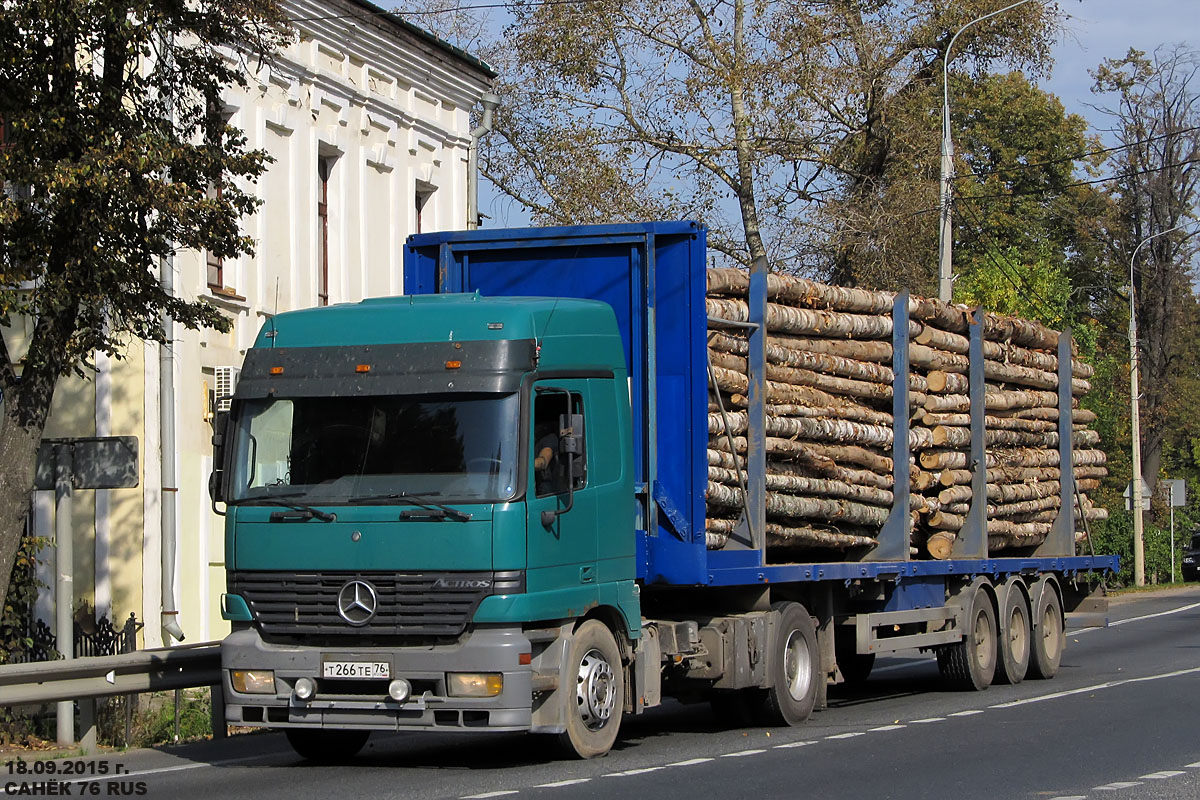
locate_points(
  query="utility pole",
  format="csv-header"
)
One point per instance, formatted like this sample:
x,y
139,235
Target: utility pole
x,y
1135,420
945,240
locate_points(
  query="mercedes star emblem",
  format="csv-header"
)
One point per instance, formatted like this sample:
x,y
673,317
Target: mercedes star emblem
x,y
357,602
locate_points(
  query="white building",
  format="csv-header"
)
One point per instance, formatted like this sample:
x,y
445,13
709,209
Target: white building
x,y
368,121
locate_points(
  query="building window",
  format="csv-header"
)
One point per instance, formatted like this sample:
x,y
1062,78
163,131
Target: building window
x,y
219,120
423,193
216,264
324,167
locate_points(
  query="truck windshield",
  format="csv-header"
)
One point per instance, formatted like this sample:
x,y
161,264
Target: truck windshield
x,y
340,449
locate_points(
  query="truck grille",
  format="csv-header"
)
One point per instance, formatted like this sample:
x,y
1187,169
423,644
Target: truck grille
x,y
405,603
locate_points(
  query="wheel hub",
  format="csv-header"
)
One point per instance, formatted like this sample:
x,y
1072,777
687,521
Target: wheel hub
x,y
797,667
595,690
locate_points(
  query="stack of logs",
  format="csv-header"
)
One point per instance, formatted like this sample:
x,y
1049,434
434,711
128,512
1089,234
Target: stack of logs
x,y
829,420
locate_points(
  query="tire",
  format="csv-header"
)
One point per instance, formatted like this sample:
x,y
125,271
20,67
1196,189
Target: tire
x,y
970,664
326,746
855,667
594,709
795,668
1049,636
1014,637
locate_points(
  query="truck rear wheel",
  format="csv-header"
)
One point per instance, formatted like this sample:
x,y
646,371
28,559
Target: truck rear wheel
x,y
1015,637
795,668
1049,638
971,663
595,706
326,746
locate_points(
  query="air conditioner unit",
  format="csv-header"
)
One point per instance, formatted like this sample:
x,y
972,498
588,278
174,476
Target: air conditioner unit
x,y
227,378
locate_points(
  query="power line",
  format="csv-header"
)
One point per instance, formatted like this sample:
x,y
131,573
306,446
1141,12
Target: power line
x,y
1064,159
1083,183
1039,301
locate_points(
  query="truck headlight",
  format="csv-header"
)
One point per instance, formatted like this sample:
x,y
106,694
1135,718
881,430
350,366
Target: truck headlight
x,y
253,681
474,684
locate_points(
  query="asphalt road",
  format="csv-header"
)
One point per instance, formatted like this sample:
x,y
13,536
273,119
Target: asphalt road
x,y
1121,722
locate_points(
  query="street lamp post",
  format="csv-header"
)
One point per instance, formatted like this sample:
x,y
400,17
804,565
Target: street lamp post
x,y
945,274
1135,422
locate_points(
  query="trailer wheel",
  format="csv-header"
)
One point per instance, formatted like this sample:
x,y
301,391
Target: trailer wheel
x,y
594,709
326,746
970,664
1015,636
796,668
1049,638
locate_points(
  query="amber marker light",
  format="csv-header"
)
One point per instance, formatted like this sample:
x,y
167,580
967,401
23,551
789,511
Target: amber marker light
x,y
453,364
363,368
276,370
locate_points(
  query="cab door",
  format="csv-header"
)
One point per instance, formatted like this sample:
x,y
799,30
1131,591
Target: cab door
x,y
561,530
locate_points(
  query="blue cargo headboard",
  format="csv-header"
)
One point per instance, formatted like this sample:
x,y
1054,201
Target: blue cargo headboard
x,y
652,274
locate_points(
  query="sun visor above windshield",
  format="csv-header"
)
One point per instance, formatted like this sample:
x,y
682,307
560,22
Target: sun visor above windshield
x,y
467,366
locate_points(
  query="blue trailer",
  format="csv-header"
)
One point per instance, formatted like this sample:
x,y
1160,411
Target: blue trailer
x,y
516,454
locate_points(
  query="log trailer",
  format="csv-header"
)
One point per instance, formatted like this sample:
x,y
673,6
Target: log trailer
x,y
481,506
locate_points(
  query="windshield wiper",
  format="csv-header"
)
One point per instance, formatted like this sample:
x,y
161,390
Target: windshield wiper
x,y
422,501
277,500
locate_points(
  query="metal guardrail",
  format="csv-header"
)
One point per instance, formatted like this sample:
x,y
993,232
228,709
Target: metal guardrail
x,y
161,669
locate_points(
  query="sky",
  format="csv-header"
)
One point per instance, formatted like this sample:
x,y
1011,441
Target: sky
x,y
1100,29
1096,30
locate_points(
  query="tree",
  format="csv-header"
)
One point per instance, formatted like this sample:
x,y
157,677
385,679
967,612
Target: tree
x,y
1015,203
747,116
1156,122
115,156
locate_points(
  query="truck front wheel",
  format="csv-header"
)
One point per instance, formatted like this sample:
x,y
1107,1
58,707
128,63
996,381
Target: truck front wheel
x,y
596,699
326,746
796,668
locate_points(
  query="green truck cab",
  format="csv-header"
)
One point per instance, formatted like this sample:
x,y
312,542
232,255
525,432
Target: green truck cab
x,y
399,471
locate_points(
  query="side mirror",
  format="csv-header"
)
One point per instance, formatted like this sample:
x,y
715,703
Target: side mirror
x,y
216,479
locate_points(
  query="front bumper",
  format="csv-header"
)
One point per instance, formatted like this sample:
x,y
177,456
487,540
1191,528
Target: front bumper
x,y
366,704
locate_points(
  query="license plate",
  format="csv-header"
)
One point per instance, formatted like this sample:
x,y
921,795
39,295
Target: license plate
x,y
357,670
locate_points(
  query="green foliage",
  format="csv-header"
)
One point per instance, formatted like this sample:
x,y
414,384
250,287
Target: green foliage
x,y
16,640
155,724
1002,282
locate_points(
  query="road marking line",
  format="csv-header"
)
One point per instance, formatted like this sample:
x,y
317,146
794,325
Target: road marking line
x,y
887,728
556,784
690,762
178,768
927,719
1112,787
967,713
1194,765
1096,687
792,744
845,735
1158,776
488,794
1070,797
741,753
1137,619
641,771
